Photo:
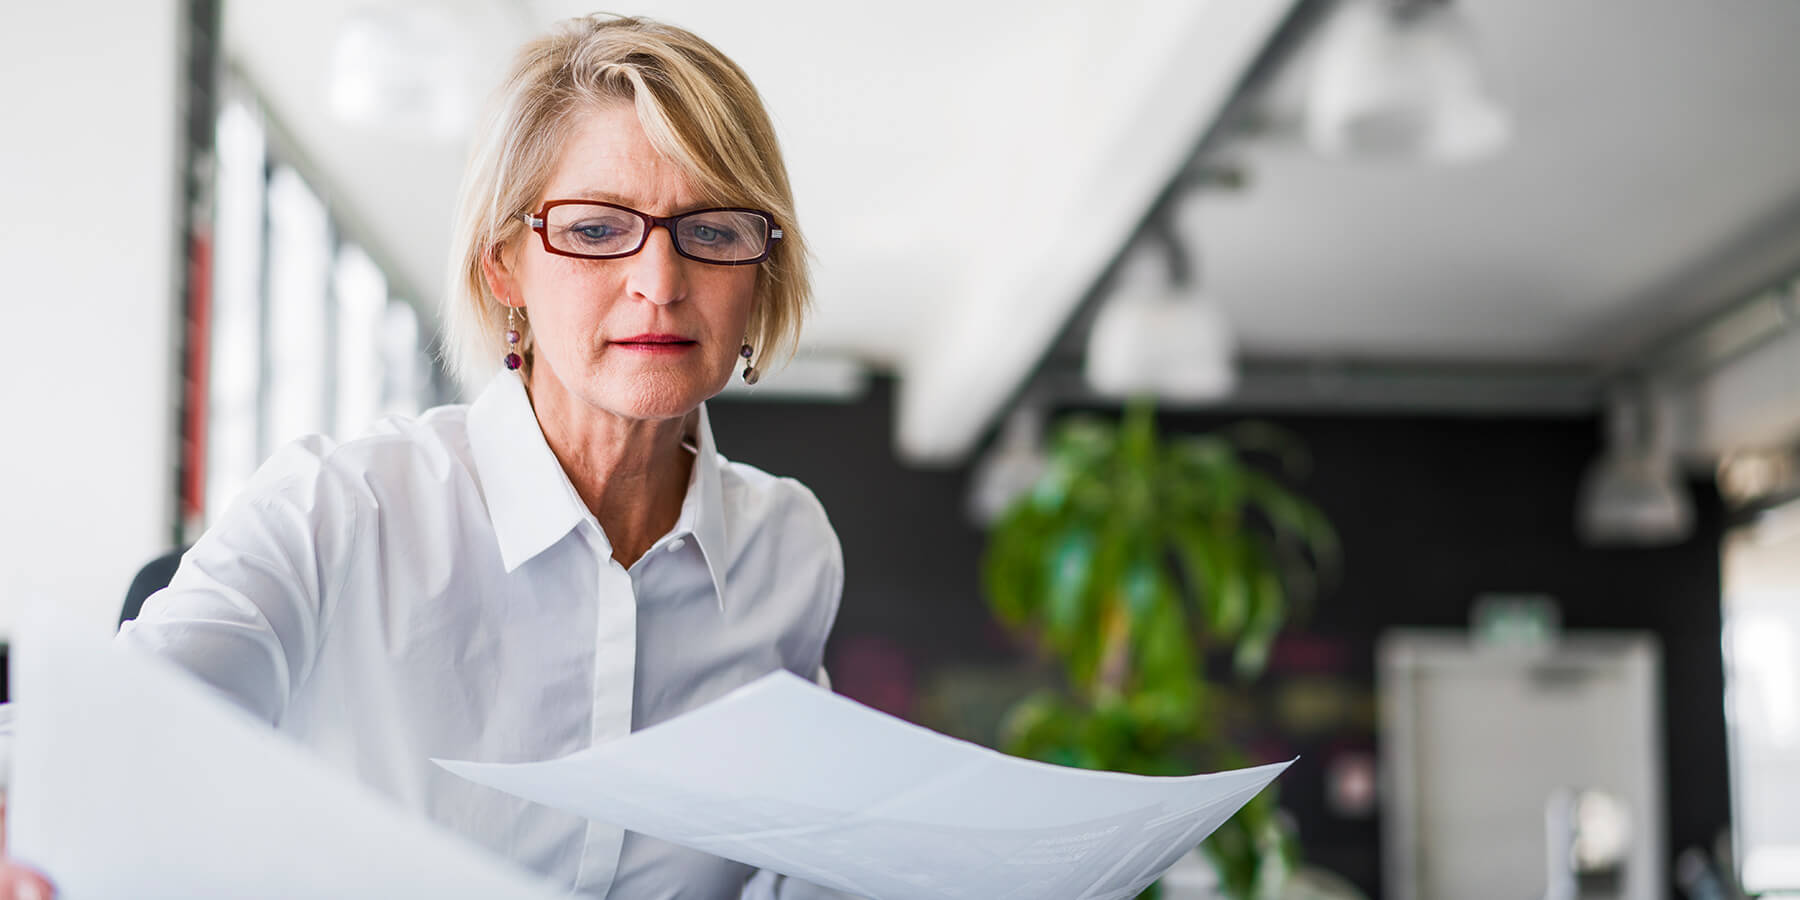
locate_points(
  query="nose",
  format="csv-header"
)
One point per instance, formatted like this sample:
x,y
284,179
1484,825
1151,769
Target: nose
x,y
658,274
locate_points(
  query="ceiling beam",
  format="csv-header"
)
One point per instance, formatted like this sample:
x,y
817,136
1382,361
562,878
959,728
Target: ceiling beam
x,y
1729,333
1268,386
955,388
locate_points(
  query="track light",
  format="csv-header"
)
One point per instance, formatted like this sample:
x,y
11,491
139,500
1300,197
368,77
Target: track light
x,y
1158,333
1633,494
1011,468
1403,80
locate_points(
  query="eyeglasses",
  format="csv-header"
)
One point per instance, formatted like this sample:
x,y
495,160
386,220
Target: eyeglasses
x,y
589,229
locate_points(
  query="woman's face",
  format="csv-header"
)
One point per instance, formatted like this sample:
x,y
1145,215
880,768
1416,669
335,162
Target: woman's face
x,y
647,336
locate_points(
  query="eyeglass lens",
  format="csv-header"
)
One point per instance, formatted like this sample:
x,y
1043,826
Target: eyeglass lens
x,y
596,230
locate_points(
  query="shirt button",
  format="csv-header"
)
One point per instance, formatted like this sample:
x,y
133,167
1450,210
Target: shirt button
x,y
677,544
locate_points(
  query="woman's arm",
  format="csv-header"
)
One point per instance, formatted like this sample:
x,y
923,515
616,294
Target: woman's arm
x,y
247,607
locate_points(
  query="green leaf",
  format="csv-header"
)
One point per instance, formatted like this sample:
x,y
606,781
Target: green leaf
x,y
1211,563
1205,452
1137,436
1144,587
1051,490
1288,513
1070,566
1267,617
1273,440
1232,608
1166,656
1039,725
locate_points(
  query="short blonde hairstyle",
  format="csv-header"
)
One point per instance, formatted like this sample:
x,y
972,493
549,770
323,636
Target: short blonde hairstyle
x,y
698,110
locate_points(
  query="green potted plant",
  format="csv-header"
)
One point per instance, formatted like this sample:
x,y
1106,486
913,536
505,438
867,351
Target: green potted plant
x,y
1134,559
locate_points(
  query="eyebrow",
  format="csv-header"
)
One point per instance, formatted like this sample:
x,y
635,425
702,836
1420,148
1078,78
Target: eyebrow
x,y
597,194
606,196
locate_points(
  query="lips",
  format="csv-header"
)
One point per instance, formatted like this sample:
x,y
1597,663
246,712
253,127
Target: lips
x,y
656,343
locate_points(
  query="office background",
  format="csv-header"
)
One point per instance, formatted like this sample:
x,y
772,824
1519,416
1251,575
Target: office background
x,y
1455,397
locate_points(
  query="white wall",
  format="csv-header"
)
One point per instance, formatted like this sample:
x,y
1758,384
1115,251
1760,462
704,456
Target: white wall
x,y
88,200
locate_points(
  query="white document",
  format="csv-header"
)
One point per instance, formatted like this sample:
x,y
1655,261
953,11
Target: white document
x,y
132,780
784,775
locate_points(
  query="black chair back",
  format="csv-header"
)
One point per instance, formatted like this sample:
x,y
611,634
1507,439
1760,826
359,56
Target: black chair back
x,y
153,577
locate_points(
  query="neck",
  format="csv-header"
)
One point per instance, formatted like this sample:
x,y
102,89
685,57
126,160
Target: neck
x,y
631,473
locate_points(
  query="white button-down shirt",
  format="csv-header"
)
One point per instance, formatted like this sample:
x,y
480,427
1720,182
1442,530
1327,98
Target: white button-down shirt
x,y
438,589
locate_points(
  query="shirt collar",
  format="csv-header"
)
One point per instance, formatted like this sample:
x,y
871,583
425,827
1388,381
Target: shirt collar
x,y
532,502
703,509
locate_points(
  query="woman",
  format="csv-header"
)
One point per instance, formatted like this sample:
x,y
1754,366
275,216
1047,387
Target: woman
x,y
566,559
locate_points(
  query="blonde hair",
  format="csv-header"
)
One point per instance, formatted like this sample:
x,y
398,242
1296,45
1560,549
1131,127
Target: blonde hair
x,y
698,110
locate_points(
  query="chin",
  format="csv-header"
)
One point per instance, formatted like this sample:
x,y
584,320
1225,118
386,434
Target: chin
x,y
657,395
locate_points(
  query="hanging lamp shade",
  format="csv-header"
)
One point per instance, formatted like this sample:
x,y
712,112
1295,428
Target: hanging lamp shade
x,y
1011,468
1634,500
1403,81
1632,495
1175,344
402,70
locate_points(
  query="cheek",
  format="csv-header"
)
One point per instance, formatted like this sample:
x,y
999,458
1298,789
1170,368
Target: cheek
x,y
737,294
730,319
568,303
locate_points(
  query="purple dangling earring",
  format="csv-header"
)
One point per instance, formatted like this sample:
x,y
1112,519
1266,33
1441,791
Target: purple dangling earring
x,y
750,373
513,361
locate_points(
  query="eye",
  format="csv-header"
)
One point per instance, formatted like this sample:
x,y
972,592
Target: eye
x,y
710,234
600,234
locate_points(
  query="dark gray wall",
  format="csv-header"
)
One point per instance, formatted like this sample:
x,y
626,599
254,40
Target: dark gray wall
x,y
1432,511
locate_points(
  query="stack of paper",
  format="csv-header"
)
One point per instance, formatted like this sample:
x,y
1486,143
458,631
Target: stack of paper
x,y
786,776
132,780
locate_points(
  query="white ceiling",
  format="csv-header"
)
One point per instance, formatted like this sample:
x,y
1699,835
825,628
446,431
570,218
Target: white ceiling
x,y
966,169
1655,174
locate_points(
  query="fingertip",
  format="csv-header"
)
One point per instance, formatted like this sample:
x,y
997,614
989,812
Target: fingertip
x,y
21,883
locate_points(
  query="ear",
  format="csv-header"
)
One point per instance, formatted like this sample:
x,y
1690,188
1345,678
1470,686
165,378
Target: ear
x,y
500,279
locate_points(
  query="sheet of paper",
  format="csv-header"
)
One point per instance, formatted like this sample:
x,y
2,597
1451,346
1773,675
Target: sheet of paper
x,y
784,775
132,780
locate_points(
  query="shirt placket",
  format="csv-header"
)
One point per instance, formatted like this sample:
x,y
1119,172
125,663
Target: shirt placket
x,y
615,666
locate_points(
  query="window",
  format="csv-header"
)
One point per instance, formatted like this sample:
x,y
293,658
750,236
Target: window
x,y
1762,696
304,333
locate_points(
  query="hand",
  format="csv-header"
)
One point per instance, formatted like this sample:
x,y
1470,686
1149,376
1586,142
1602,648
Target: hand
x,y
18,882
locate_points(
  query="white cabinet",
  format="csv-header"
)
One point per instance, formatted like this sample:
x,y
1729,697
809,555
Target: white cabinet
x,y
1476,741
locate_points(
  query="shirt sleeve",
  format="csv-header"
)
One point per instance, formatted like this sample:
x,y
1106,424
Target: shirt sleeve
x,y
830,586
248,605
251,600
834,595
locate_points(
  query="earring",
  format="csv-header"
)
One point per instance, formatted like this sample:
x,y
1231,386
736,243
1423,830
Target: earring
x,y
512,359
750,373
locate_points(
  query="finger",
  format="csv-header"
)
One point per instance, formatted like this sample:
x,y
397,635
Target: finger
x,y
20,883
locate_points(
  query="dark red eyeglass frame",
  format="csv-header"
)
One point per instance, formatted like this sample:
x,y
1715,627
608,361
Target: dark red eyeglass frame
x,y
539,222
